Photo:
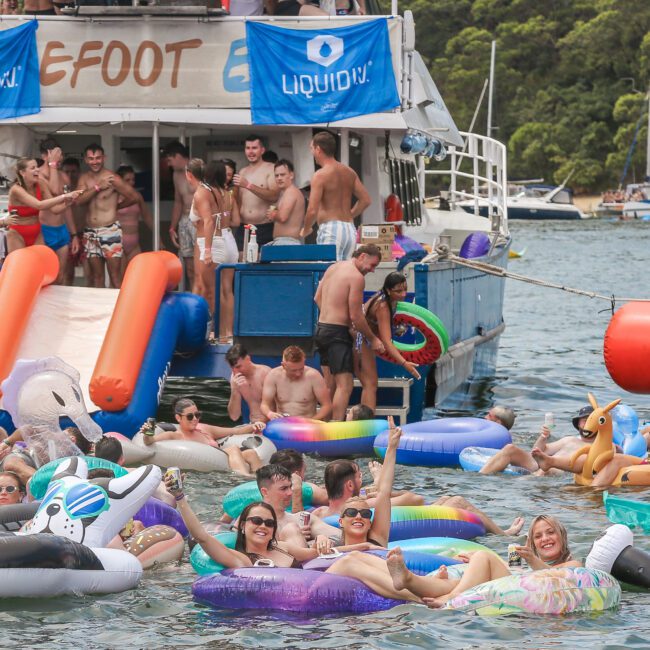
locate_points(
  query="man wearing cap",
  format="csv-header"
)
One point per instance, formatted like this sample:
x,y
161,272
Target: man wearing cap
x,y
564,447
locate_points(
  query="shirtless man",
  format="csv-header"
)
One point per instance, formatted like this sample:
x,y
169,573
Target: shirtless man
x,y
181,230
257,192
39,8
246,383
103,235
332,189
293,389
340,299
59,229
289,215
564,447
187,416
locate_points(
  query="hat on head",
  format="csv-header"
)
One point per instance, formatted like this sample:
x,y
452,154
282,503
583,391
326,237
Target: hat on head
x,y
584,412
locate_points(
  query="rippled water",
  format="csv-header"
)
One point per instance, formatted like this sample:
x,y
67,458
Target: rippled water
x,y
551,355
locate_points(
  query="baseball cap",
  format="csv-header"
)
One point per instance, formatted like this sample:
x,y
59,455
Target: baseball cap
x,y
584,412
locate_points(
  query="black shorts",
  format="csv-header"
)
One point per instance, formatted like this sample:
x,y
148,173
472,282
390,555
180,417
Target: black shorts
x,y
288,8
334,345
264,235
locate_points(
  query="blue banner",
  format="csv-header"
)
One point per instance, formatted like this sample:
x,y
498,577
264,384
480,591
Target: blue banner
x,y
305,76
20,88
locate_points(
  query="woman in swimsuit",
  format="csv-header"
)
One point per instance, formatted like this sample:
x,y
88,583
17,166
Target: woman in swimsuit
x,y
379,312
27,197
129,218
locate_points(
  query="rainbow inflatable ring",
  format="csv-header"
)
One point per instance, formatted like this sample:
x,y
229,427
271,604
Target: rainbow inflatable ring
x,y
408,522
329,439
436,338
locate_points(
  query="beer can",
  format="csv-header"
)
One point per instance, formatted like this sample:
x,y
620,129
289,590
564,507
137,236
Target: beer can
x,y
304,518
151,424
176,477
514,559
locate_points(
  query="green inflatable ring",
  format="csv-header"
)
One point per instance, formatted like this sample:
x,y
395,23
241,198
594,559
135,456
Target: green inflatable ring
x,y
436,338
202,563
43,476
240,496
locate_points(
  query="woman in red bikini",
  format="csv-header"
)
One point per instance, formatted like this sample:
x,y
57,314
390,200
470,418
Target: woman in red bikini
x,y
27,197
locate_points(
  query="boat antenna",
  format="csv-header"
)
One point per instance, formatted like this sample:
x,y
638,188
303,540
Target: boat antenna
x,y
491,93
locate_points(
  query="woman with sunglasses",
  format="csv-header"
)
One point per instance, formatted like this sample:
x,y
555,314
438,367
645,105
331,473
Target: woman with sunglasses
x,y
190,427
379,311
11,489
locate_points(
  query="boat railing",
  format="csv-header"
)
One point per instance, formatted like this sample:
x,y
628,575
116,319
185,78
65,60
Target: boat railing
x,y
477,173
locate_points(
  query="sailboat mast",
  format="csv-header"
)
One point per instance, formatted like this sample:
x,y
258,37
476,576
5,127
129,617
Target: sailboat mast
x,y
491,90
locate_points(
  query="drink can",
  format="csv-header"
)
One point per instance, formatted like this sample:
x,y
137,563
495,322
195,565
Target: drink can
x,y
304,518
514,559
363,493
176,477
151,424
549,421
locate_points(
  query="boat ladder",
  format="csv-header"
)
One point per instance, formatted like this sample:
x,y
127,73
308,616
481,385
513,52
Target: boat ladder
x,y
400,412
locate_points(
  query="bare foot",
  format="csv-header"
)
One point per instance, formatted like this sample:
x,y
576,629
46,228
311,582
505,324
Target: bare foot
x,y
442,573
375,470
397,569
435,603
515,527
543,460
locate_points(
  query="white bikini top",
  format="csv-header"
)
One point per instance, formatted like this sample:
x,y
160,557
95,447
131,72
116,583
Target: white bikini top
x,y
217,215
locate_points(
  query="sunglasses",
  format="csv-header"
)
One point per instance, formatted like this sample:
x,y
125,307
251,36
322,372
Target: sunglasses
x,y
9,489
191,416
366,513
258,521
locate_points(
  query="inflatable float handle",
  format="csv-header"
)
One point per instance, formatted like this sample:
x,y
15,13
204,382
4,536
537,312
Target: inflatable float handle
x,y
148,277
25,272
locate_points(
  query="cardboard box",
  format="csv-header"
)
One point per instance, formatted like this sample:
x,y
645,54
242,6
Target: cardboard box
x,y
377,233
386,250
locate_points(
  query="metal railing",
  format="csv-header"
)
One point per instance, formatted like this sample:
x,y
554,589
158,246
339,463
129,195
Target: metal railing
x,y
478,177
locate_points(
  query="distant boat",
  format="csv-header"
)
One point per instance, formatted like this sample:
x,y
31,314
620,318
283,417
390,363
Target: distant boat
x,y
514,255
637,207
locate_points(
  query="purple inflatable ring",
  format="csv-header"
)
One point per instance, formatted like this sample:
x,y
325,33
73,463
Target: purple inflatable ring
x,y
292,590
155,512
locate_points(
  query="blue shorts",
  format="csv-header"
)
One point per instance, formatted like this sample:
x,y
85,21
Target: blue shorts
x,y
55,236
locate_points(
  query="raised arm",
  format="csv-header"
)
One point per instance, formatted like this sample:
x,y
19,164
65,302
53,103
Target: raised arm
x,y
19,195
149,439
234,403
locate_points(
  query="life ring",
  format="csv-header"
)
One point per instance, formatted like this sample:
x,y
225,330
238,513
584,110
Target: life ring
x,y
328,439
241,495
133,454
155,512
46,565
156,545
293,590
436,338
564,590
629,512
13,517
473,459
202,563
448,546
438,443
407,522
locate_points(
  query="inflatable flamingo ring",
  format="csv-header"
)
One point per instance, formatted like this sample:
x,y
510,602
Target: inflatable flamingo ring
x,y
602,450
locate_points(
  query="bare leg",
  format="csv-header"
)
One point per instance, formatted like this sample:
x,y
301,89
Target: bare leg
x,y
368,377
63,254
208,273
97,271
563,463
608,474
423,586
227,304
114,265
490,525
373,572
236,461
342,392
329,380
14,241
510,454
252,460
407,499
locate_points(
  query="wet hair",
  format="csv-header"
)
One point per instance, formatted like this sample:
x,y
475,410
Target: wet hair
x,y
240,543
215,174
505,415
109,449
236,352
326,142
293,354
84,445
284,163
290,459
251,137
176,147
100,472
270,156
47,144
361,412
21,166
368,249
123,170
15,477
336,474
391,281
181,404
71,161
93,147
229,162
196,167
558,527
270,473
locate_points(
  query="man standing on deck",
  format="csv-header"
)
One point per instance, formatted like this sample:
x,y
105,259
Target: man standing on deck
x,y
181,230
257,192
71,167
103,234
289,215
332,189
340,300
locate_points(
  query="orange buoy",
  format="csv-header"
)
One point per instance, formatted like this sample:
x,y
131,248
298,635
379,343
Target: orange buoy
x,y
25,272
627,347
147,278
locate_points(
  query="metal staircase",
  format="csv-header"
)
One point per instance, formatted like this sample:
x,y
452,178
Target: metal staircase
x,y
400,412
